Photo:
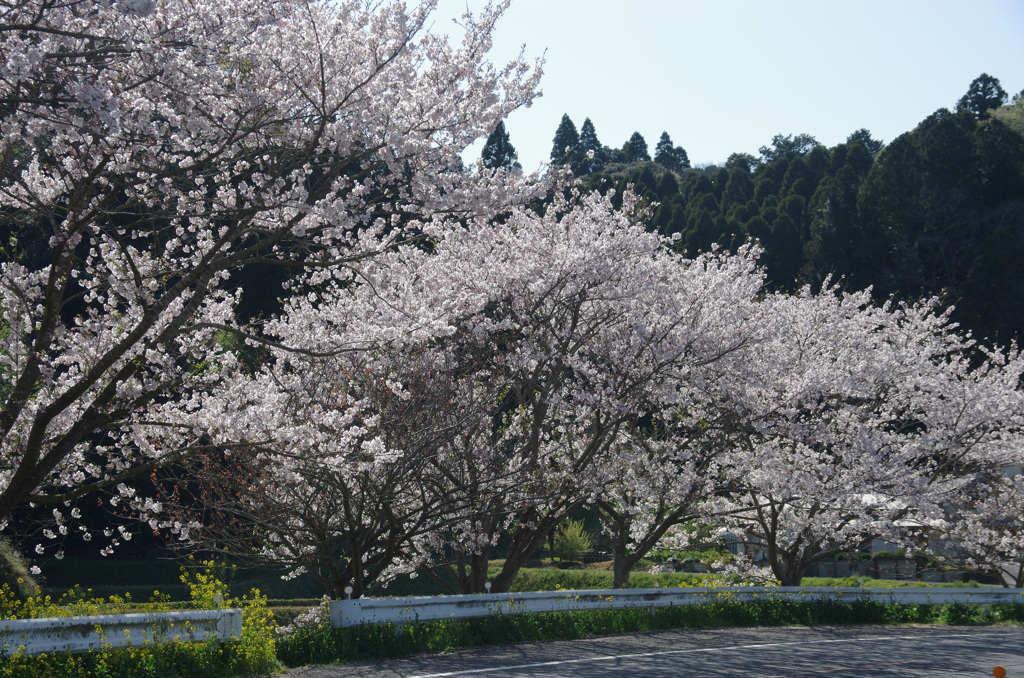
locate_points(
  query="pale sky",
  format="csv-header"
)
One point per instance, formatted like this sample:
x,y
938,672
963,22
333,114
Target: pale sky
x,y
725,76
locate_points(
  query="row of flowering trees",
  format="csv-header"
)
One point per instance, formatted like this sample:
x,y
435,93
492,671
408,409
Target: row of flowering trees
x,y
516,370
448,365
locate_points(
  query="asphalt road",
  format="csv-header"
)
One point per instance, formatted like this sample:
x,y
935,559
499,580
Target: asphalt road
x,y
849,651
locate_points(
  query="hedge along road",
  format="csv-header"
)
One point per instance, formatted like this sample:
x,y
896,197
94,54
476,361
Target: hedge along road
x,y
861,651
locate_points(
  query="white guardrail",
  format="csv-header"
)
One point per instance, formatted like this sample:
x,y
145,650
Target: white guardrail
x,y
81,634
400,610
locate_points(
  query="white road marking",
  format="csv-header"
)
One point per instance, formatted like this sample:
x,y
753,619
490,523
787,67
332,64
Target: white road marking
x,y
605,658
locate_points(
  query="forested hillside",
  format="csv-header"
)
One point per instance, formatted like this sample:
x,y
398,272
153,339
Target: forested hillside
x,y
938,211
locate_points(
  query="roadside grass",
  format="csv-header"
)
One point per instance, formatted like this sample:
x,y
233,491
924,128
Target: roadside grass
x,y
553,579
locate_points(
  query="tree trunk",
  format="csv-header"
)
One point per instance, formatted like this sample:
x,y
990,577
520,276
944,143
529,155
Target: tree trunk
x,y
478,564
1011,575
524,543
621,563
621,569
792,576
14,572
790,569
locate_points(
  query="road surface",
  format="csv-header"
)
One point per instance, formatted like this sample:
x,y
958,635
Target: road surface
x,y
790,652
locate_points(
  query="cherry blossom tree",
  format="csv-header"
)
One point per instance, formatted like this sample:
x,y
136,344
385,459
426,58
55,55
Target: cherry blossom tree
x,y
341,475
859,421
152,150
662,485
591,324
983,532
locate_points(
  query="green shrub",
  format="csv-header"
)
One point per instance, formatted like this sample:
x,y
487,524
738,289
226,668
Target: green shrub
x,y
572,541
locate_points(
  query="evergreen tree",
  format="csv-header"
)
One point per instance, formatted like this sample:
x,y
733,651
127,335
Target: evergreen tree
x,y
739,188
864,136
984,94
645,183
635,150
589,143
763,188
664,151
784,145
566,144
744,160
834,236
670,157
668,186
992,297
499,151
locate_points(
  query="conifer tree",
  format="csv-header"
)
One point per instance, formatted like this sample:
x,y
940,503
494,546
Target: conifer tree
x,y
566,143
590,143
588,137
984,94
863,135
499,151
635,150
669,156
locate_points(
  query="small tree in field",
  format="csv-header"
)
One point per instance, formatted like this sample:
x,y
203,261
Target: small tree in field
x,y
572,541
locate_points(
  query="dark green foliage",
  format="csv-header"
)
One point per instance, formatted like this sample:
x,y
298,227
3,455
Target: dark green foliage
x,y
566,145
635,150
916,217
669,156
739,188
864,136
763,188
645,183
834,231
668,186
589,144
938,211
992,295
929,208
784,145
984,94
744,160
498,151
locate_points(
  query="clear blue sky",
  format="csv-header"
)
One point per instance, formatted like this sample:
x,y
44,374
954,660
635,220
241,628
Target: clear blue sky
x,y
725,76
